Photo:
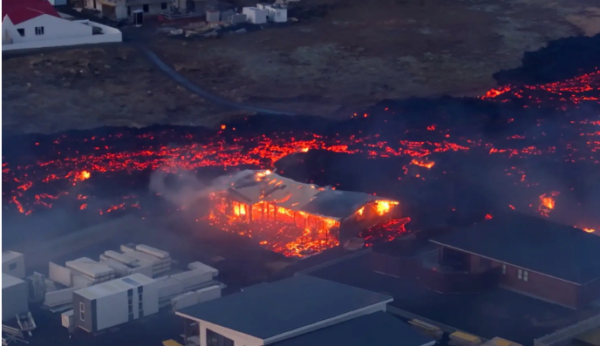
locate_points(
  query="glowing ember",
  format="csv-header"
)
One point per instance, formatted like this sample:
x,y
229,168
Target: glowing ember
x,y
488,216
422,163
589,230
547,203
384,207
385,232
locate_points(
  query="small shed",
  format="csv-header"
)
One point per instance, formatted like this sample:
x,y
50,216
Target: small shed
x,y
14,297
213,16
276,13
255,15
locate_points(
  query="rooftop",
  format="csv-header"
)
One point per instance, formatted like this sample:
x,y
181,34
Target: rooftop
x,y
9,281
269,187
271,309
10,255
513,316
539,245
114,286
20,11
380,328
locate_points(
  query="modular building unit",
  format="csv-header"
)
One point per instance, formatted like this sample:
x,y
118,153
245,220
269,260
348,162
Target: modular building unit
x,y
115,302
277,13
14,297
255,15
13,263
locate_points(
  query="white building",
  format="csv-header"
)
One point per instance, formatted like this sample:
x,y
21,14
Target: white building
x,y
276,13
302,310
255,15
123,9
14,297
114,302
13,263
36,24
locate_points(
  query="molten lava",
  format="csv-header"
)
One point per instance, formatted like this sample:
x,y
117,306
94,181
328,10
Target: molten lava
x,y
547,203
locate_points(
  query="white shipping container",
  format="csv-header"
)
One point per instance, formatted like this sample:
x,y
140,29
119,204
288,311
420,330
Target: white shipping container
x,y
144,269
67,319
203,267
140,256
121,258
80,281
13,263
60,297
185,300
208,293
15,298
120,268
255,15
194,277
153,251
60,274
169,288
91,268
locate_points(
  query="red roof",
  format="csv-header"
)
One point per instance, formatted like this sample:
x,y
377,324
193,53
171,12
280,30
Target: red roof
x,y
20,11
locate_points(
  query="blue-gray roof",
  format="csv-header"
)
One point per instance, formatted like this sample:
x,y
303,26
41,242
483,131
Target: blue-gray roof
x,y
264,311
338,204
379,329
532,243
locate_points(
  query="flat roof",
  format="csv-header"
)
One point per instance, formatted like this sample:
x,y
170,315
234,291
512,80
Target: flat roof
x,y
532,243
9,281
114,286
267,310
10,255
379,328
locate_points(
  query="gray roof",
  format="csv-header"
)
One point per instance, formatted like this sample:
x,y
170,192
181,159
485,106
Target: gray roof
x,y
379,329
338,204
264,311
529,242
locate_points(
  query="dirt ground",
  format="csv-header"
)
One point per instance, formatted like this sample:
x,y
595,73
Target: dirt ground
x,y
87,88
351,55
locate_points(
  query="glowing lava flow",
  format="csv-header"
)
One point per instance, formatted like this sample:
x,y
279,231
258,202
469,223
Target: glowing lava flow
x,y
547,203
575,91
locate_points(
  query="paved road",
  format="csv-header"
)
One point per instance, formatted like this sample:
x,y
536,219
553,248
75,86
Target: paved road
x,y
197,90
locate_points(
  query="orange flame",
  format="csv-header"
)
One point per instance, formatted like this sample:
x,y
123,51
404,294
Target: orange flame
x,y
421,163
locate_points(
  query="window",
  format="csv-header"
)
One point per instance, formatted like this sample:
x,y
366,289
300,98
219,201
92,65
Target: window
x,y
216,339
146,8
81,311
39,30
21,32
525,275
504,269
128,11
12,266
163,5
520,274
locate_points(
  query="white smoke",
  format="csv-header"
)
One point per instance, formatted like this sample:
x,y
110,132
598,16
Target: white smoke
x,y
189,188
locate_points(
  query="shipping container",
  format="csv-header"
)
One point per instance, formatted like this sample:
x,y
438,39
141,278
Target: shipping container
x,y
14,297
13,263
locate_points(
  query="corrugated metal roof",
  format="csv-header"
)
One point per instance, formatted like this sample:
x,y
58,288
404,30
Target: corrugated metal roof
x,y
259,186
267,310
532,243
379,328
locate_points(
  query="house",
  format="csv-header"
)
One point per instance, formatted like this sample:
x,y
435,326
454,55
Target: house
x,y
534,256
123,9
115,302
36,24
301,310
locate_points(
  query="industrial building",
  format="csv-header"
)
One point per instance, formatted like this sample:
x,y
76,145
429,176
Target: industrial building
x,y
530,255
115,302
301,310
315,218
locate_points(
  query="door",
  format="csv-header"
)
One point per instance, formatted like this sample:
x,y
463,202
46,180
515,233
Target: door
x,y
138,17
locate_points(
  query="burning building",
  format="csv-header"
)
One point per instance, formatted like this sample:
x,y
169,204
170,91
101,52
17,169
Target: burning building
x,y
293,218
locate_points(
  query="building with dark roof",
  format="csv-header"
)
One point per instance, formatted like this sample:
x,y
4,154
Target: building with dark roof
x,y
294,311
535,256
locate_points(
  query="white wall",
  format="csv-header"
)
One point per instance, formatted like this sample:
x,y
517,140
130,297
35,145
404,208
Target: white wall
x,y
54,28
109,35
113,310
239,339
17,261
153,9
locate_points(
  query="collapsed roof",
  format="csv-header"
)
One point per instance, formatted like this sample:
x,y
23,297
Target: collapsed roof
x,y
265,186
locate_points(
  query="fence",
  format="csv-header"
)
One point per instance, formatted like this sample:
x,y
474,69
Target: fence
x,y
564,336
109,35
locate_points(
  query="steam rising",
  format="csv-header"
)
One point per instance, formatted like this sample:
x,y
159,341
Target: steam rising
x,y
187,188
